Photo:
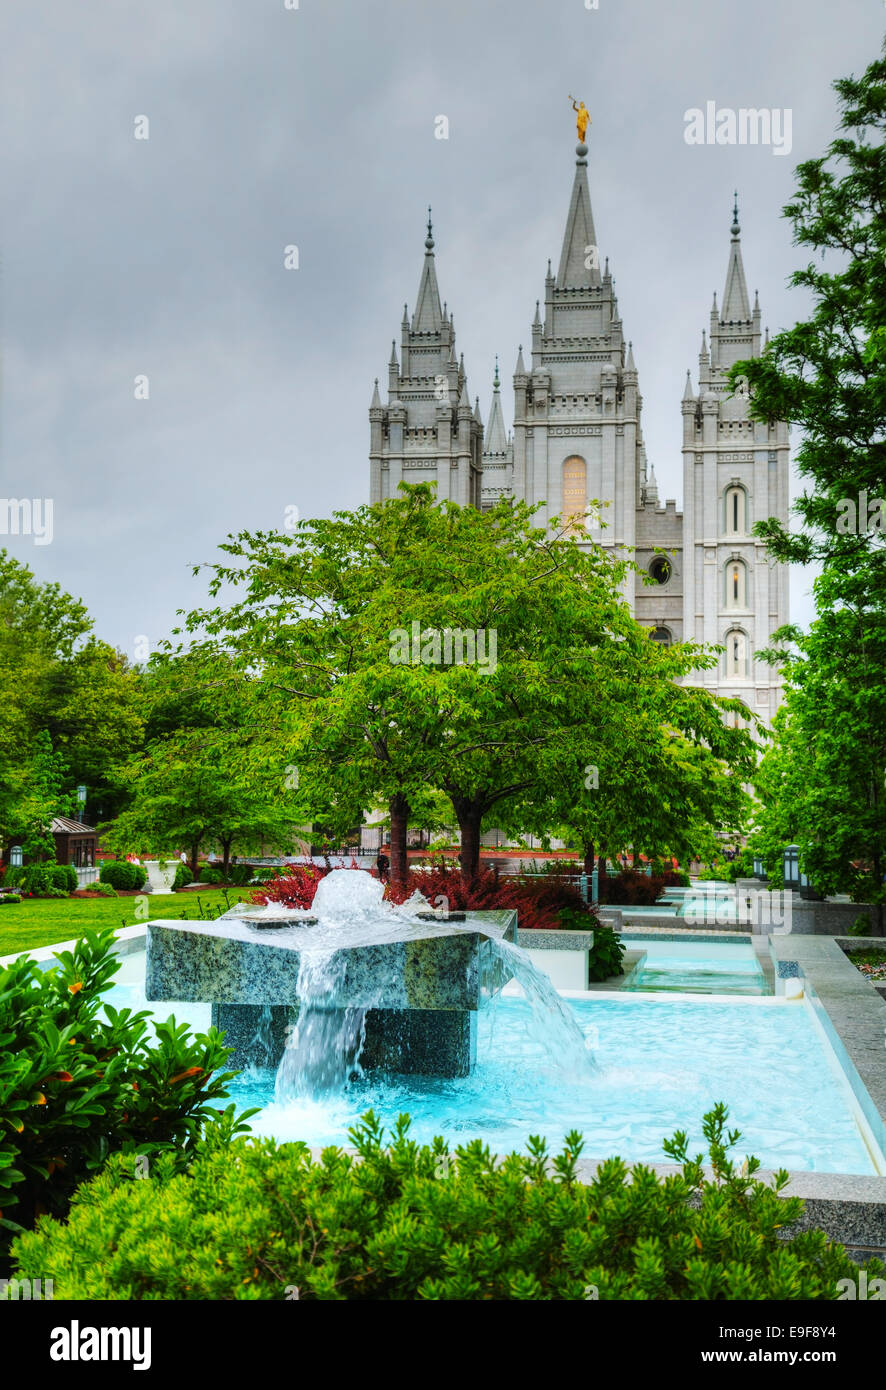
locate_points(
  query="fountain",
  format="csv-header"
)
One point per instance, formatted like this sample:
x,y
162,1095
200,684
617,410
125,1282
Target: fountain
x,y
354,981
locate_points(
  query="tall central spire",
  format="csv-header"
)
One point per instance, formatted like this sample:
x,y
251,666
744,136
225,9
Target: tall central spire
x,y
736,308
428,316
579,239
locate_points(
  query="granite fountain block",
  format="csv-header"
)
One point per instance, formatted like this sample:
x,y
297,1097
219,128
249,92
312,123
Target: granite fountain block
x,y
419,982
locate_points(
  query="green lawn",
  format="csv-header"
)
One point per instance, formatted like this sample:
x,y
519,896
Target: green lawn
x,y
46,921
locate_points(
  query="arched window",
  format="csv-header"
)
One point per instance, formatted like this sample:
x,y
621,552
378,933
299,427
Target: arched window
x,y
660,568
736,584
663,635
575,494
736,643
735,518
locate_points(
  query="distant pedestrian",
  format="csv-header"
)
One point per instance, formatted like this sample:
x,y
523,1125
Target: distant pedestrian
x,y
383,864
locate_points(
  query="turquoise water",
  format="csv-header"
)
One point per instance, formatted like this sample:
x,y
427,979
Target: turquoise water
x,y
664,1061
697,968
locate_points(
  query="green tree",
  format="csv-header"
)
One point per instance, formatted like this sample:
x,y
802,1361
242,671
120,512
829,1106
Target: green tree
x,y
69,706
823,782
823,779
347,619
205,777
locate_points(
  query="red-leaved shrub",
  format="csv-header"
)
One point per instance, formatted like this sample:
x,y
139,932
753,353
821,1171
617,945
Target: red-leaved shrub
x,y
538,902
295,889
631,888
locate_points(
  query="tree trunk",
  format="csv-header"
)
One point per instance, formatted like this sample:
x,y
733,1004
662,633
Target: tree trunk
x,y
602,875
588,848
226,856
399,811
470,817
195,855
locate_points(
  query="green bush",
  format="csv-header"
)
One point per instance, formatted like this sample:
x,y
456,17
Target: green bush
x,y
240,875
7,898
65,876
106,889
121,874
400,1221
604,957
604,960
80,1080
212,873
183,877
42,879
117,872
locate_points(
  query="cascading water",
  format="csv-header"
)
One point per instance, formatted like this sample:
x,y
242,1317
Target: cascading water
x,y
323,1048
553,1024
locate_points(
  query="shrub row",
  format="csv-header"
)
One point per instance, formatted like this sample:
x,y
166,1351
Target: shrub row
x,y
238,874
400,1221
40,878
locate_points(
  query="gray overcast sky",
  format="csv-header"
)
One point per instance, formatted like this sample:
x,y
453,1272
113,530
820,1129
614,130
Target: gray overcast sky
x,y
315,127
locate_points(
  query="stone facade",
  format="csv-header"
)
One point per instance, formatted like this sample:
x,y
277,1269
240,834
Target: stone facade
x,y
577,446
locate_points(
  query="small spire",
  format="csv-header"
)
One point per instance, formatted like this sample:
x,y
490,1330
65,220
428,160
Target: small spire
x,y
735,227
630,365
376,398
393,362
606,269
444,310
688,393
536,322
495,380
477,416
704,344
549,275
714,305
520,369
464,400
766,343
429,240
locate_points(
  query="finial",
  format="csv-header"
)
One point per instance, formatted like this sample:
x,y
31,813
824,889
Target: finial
x,y
735,227
495,381
429,240
550,277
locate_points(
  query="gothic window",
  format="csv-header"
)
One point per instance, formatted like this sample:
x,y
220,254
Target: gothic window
x,y
736,652
736,584
660,569
736,513
663,635
575,494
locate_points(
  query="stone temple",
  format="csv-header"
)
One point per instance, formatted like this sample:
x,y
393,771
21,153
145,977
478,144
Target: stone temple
x,y
577,438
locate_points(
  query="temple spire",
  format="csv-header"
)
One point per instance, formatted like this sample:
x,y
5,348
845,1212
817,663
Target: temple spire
x,y
428,317
735,296
495,440
579,238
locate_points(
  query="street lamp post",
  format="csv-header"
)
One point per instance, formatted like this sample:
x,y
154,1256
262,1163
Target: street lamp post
x,y
792,866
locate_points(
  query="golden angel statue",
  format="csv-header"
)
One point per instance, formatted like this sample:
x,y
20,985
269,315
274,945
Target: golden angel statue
x,y
582,118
